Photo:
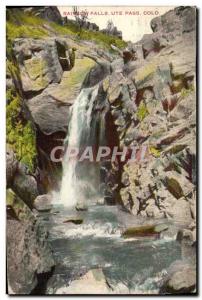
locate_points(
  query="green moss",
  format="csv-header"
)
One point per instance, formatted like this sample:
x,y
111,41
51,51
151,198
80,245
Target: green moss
x,y
71,83
101,38
154,151
146,71
16,31
142,111
186,92
64,30
21,210
174,187
20,135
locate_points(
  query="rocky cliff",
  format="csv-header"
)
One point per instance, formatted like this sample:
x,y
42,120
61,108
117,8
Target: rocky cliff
x,y
150,100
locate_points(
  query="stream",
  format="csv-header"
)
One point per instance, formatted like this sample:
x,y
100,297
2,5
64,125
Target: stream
x,y
138,264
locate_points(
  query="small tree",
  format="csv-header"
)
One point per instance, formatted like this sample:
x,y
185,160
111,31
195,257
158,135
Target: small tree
x,y
80,17
110,26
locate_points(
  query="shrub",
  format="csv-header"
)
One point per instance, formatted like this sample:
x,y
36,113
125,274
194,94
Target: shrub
x,y
20,134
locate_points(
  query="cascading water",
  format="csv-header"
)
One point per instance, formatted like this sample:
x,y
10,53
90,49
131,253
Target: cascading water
x,y
80,180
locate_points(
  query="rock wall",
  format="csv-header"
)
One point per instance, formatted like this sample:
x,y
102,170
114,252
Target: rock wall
x,y
153,102
51,78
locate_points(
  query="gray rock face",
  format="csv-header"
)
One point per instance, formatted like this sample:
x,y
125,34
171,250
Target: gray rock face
x,y
49,13
49,114
153,102
181,19
42,63
38,62
167,28
28,255
97,74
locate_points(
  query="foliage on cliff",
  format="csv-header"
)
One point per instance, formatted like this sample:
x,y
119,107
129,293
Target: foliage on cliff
x,y
21,24
20,134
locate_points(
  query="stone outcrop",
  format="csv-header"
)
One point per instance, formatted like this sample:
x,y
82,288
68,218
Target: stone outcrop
x,y
18,178
29,256
49,13
181,279
153,106
93,282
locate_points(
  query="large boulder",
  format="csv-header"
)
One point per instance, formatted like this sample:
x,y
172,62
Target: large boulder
x,y
93,282
49,114
29,256
43,203
181,279
39,62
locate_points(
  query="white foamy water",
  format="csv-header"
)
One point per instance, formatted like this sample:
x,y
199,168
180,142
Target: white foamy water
x,y
96,230
72,188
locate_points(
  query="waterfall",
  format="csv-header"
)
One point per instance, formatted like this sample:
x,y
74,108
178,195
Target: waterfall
x,y
80,180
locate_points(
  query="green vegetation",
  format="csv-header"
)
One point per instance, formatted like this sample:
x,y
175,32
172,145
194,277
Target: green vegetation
x,y
154,151
186,92
146,71
21,24
142,111
20,209
20,135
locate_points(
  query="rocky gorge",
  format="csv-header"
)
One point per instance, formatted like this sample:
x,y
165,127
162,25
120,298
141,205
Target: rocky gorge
x,y
145,98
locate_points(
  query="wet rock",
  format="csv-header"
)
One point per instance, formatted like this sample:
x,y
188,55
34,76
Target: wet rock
x,y
81,206
76,221
96,74
101,201
181,279
186,235
147,230
42,203
93,282
28,256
